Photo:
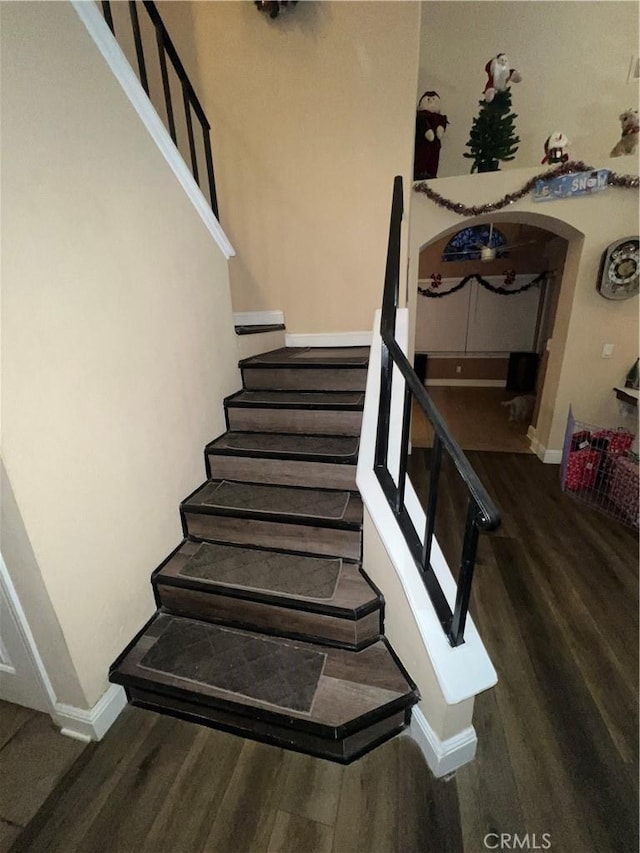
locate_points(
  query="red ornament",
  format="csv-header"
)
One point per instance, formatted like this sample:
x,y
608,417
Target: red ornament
x,y
436,280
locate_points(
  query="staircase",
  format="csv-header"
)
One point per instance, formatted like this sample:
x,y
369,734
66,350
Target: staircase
x,y
266,625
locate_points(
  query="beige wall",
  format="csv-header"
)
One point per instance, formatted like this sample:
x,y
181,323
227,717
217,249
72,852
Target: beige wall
x,y
402,632
585,321
117,344
312,116
574,59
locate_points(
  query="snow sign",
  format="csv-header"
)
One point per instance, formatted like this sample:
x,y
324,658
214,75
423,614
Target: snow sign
x,y
567,186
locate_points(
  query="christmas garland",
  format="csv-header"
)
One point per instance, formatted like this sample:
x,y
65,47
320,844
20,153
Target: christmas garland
x,y
613,179
503,291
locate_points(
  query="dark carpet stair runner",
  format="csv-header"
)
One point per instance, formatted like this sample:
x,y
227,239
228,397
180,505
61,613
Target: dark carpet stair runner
x,y
266,624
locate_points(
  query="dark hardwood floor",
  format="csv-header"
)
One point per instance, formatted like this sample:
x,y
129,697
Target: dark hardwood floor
x,y
555,600
556,603
160,784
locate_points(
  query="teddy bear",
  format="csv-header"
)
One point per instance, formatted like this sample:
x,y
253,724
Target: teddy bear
x,y
499,75
628,142
430,128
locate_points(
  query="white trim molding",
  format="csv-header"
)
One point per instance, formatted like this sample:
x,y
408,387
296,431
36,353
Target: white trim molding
x,y
94,723
85,725
116,60
442,756
330,339
258,318
27,635
549,457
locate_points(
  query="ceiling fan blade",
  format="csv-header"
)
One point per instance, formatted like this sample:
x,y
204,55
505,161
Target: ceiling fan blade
x,y
505,247
519,245
480,247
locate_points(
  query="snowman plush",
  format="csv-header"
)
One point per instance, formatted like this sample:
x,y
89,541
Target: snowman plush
x,y
555,148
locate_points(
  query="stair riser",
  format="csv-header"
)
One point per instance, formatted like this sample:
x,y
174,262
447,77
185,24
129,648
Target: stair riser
x,y
283,472
308,379
342,751
319,422
250,345
284,622
268,534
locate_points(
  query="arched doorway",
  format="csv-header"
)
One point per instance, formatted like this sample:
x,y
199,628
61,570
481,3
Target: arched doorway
x,y
470,338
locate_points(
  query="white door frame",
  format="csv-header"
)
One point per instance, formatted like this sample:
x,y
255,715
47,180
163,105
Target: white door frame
x,y
11,596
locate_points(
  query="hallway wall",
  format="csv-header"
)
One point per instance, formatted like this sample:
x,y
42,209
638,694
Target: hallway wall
x,y
312,116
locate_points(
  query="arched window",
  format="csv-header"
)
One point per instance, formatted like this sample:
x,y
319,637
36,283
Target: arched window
x,y
466,244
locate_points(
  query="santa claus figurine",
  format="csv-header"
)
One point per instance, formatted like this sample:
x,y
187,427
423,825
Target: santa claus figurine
x,y
555,148
499,75
430,128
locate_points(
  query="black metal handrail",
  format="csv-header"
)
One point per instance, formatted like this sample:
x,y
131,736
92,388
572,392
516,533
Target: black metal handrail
x,y
190,100
481,513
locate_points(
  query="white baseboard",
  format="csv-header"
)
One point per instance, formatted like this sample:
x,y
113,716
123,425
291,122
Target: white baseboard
x,y
258,318
119,65
468,383
330,339
92,724
549,457
442,756
460,356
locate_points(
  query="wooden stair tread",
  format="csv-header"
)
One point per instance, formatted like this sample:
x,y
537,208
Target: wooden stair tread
x,y
329,691
306,400
334,357
258,330
291,504
319,584
316,448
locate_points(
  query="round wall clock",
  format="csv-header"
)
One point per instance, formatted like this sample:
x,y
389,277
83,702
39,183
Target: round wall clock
x,y
620,269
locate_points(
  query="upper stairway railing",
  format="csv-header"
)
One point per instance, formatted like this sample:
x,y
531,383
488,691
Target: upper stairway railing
x,y
190,103
482,514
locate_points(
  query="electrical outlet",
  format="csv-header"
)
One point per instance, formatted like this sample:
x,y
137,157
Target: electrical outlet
x,y
458,368
634,69
607,350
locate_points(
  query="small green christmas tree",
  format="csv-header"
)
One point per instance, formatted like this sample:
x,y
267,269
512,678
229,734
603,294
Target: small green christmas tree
x,y
492,137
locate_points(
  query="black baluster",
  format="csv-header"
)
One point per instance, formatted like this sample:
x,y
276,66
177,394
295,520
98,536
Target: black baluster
x,y
404,447
384,409
210,175
165,82
465,576
432,503
192,143
106,11
135,24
